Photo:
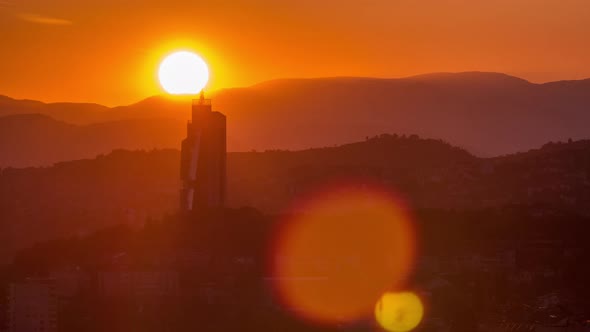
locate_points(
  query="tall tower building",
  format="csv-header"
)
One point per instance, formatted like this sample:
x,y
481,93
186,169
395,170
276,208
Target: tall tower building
x,y
203,158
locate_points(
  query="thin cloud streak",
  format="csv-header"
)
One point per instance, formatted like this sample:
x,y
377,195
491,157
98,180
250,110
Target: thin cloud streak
x,y
41,19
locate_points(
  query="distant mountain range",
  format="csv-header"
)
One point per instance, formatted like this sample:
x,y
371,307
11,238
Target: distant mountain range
x,y
486,113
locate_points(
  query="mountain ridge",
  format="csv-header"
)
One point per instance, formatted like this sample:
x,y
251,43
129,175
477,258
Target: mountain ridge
x,y
487,113
435,75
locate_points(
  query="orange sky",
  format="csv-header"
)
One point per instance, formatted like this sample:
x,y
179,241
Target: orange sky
x,y
107,51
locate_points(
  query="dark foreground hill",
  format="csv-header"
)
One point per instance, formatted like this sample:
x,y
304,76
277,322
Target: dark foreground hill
x,y
488,114
129,187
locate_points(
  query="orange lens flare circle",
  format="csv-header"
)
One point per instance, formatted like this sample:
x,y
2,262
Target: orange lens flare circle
x,y
333,261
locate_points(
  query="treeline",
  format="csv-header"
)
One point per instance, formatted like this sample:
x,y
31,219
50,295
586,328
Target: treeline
x,y
123,187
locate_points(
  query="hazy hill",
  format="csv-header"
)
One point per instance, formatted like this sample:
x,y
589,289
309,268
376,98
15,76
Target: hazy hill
x,y
487,113
33,139
127,187
84,114
75,113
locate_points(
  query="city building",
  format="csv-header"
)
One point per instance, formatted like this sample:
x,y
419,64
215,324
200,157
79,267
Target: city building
x,y
68,281
139,283
203,159
33,306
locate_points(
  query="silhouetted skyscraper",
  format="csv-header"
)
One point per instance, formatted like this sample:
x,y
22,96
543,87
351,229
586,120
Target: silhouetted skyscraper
x,y
203,157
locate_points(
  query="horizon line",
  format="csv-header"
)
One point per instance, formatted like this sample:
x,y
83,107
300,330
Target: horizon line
x,y
217,91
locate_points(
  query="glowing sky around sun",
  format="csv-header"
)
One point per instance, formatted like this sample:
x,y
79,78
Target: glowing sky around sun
x,y
114,47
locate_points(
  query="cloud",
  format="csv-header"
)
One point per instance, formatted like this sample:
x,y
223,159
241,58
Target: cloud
x,y
41,19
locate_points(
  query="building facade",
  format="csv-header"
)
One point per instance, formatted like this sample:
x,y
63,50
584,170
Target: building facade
x,y
203,159
33,306
139,283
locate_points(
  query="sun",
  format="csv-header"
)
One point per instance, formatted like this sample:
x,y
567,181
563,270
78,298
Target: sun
x,y
183,73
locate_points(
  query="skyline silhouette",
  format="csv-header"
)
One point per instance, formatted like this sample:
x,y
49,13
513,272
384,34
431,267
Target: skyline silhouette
x,y
373,166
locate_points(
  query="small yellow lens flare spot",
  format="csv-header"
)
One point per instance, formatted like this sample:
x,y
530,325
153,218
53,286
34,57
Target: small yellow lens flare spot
x,y
399,312
183,73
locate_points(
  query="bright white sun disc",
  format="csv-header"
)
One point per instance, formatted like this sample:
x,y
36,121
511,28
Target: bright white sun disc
x,y
183,73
